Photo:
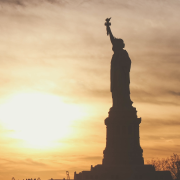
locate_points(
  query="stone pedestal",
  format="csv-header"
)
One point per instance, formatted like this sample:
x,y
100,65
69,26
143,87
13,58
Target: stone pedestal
x,y
123,155
144,172
122,142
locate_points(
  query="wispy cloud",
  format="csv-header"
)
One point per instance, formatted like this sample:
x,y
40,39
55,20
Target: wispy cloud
x,y
32,2
160,123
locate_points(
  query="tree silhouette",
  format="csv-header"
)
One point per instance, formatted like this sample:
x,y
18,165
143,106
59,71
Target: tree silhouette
x,y
171,164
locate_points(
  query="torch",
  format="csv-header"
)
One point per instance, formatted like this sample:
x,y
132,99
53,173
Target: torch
x,y
107,24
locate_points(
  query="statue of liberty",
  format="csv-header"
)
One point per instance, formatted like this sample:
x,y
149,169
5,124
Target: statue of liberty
x,y
120,69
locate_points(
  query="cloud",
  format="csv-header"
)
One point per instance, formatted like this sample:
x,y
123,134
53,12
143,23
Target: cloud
x,y
16,163
12,2
175,93
95,139
161,137
29,162
32,162
90,158
33,2
159,151
155,124
157,96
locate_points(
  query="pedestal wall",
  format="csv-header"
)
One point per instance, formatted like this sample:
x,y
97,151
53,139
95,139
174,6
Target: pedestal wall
x,y
122,139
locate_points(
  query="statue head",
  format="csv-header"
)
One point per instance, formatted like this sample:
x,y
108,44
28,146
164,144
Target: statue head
x,y
118,45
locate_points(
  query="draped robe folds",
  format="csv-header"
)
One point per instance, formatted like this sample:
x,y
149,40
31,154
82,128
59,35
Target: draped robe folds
x,y
120,80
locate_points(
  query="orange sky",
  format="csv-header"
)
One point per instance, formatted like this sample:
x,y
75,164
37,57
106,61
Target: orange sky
x,y
55,77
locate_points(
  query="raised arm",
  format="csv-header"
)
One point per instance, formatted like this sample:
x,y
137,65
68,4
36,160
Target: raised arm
x,y
107,24
110,34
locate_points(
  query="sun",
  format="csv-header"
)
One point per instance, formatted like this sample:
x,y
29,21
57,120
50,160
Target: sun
x,y
39,119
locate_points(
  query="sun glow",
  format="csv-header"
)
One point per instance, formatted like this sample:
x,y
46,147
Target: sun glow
x,y
38,119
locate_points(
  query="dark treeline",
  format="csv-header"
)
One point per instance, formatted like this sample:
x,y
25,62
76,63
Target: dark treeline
x,y
171,164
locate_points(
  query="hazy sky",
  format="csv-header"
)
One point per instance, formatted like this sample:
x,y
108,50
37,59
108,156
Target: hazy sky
x,y
55,81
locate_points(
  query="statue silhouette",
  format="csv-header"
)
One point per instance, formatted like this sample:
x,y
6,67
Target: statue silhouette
x,y
123,155
120,69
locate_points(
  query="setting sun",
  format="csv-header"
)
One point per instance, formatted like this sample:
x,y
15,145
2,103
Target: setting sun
x,y
39,119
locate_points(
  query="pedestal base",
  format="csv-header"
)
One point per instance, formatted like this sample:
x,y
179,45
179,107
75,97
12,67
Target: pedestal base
x,y
145,172
123,155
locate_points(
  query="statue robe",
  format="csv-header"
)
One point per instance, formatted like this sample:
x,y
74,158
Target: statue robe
x,y
120,80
